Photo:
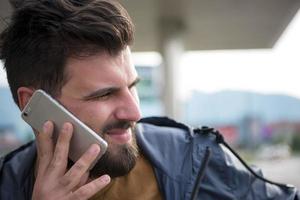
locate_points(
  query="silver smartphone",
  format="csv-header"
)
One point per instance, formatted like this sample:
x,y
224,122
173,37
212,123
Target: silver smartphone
x,y
42,107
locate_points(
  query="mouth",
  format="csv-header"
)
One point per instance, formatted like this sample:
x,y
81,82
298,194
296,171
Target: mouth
x,y
119,136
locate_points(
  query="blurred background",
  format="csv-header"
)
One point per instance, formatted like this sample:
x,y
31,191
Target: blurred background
x,y
229,64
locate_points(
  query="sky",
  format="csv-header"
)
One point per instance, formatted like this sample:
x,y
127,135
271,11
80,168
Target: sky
x,y
273,70
267,71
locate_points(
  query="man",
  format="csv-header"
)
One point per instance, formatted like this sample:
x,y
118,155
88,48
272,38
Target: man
x,y
78,51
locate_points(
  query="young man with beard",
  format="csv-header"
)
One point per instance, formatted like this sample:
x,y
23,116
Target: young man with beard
x,y
78,52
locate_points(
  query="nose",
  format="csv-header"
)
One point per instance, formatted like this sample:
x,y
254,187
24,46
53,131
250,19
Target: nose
x,y
128,109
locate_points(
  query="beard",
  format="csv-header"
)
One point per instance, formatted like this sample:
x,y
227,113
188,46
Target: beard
x,y
119,159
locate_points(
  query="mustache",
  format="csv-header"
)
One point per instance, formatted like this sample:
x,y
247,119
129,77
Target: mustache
x,y
118,125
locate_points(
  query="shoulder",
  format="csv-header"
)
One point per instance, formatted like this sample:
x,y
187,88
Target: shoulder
x,y
18,155
163,129
170,146
17,166
163,132
177,151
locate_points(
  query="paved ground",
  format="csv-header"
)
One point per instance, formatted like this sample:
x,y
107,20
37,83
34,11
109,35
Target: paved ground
x,y
283,170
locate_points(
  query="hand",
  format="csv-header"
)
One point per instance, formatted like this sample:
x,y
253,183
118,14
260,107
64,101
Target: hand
x,y
54,180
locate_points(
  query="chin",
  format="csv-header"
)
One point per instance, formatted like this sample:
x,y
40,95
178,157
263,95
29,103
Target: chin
x,y
118,160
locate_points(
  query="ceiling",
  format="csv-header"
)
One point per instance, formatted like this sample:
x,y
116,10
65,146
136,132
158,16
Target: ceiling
x,y
212,24
205,24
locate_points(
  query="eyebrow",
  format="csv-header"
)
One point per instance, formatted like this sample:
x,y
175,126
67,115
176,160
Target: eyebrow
x,y
135,82
101,92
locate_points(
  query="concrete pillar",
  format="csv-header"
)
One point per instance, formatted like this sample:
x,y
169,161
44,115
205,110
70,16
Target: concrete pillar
x,y
171,21
171,50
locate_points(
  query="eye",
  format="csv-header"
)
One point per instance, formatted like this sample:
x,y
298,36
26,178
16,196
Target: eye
x,y
102,97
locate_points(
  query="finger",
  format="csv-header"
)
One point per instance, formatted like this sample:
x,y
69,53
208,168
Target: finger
x,y
82,181
72,178
59,161
90,189
45,147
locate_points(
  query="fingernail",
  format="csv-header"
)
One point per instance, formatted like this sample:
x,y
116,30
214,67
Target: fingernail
x,y
66,127
105,178
94,149
46,126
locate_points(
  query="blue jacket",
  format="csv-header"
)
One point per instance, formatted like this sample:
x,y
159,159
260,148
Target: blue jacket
x,y
189,164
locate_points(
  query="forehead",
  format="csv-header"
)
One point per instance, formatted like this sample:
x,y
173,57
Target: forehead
x,y
100,70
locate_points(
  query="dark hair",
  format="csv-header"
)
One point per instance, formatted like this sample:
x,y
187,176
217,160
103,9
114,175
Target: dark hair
x,y
42,34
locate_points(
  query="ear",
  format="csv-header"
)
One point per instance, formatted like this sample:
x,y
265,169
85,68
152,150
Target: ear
x,y
24,94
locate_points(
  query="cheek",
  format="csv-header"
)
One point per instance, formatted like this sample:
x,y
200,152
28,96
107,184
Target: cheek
x,y
92,114
96,114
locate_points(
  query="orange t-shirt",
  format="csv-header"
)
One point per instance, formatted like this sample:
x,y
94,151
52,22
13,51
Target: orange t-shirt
x,y
139,183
